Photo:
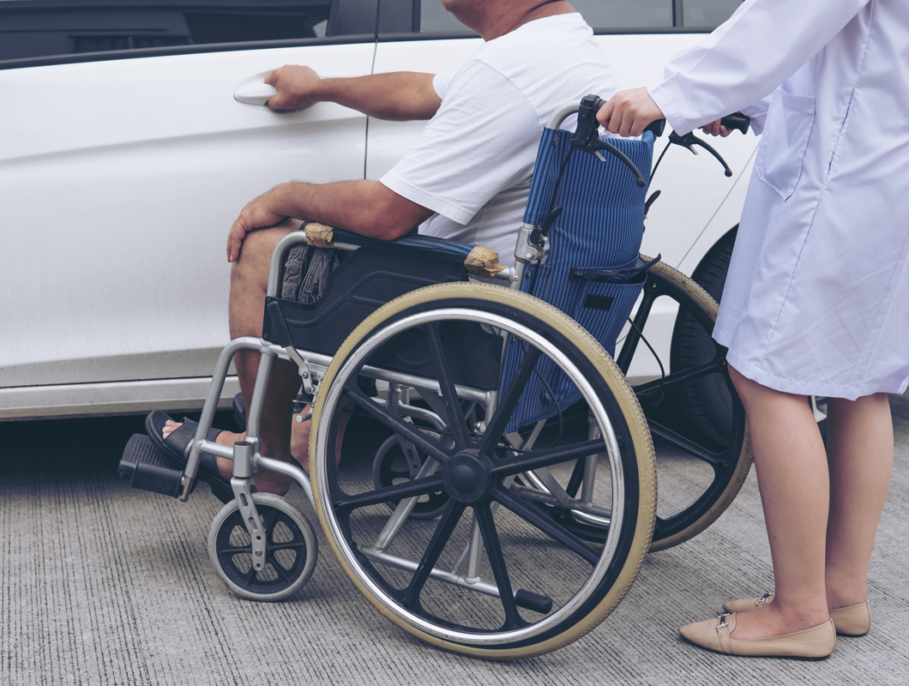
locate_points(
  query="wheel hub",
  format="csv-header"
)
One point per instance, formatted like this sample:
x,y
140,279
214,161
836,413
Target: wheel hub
x,y
467,477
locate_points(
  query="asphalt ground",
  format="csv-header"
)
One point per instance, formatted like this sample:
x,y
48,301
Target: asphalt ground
x,y
103,584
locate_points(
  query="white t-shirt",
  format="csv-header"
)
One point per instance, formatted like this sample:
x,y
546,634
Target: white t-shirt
x,y
473,163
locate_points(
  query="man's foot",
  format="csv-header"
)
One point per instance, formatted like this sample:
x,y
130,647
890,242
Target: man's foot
x,y
266,482
269,482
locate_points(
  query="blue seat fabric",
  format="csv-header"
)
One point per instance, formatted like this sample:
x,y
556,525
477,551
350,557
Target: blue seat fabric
x,y
600,228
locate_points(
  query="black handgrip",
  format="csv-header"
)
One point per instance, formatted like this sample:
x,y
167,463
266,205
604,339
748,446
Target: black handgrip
x,y
657,127
736,122
587,136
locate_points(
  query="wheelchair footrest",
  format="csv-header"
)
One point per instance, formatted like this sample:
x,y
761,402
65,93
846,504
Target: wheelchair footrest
x,y
148,468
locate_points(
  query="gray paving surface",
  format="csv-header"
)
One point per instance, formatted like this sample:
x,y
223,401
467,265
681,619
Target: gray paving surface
x,y
100,584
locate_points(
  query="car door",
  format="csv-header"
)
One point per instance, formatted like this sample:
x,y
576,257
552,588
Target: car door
x,y
121,172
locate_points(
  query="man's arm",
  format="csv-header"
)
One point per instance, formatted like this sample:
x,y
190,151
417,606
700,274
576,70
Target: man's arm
x,y
364,207
398,96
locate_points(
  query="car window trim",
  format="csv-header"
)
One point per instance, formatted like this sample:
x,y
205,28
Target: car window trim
x,y
445,35
76,58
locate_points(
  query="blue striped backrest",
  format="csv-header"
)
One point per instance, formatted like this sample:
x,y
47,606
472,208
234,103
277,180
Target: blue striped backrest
x,y
600,228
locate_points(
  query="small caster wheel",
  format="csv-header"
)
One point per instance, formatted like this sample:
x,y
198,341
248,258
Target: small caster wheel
x,y
394,465
291,549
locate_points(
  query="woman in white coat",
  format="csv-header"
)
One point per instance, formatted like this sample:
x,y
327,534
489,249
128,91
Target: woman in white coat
x,y
817,297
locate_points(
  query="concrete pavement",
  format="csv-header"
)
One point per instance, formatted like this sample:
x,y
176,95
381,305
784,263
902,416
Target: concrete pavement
x,y
101,584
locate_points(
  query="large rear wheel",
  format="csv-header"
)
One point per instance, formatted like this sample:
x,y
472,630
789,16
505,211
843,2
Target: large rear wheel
x,y
495,575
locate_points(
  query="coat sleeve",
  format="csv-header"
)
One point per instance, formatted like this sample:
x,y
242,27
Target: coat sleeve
x,y
746,58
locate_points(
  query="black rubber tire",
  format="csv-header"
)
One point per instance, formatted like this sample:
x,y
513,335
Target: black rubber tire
x,y
707,407
726,448
706,403
298,548
450,616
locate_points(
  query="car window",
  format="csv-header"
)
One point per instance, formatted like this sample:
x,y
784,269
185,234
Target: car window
x,y
41,28
605,15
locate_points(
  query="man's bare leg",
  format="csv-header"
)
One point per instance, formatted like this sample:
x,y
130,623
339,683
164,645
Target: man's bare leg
x,y
281,437
248,285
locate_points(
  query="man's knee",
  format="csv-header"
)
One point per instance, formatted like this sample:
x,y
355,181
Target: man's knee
x,y
255,255
249,279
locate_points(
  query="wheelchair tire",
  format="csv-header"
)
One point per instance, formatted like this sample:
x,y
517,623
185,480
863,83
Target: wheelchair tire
x,y
291,549
716,433
571,585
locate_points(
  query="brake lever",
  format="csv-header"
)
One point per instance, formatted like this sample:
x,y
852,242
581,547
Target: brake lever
x,y
689,140
587,136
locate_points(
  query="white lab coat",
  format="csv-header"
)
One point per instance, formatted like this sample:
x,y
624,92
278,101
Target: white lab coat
x,y
817,297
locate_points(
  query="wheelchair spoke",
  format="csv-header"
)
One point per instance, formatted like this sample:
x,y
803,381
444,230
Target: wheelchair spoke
x,y
290,545
536,459
270,520
497,562
233,550
712,367
508,401
396,424
281,572
534,516
454,416
716,460
440,536
425,486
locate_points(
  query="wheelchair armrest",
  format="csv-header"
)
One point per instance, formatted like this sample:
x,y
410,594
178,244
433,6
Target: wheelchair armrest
x,y
413,241
479,260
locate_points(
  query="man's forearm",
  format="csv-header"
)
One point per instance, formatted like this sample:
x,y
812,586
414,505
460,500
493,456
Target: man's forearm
x,y
364,207
398,96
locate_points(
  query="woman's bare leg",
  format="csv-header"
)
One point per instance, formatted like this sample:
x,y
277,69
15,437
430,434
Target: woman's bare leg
x,y
860,454
791,465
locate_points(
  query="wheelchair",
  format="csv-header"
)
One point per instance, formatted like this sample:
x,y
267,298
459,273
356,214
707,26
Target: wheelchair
x,y
513,501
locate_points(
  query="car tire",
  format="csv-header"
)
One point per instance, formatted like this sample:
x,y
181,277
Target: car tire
x,y
710,275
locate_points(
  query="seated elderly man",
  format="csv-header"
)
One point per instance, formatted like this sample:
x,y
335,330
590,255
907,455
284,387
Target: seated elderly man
x,y
466,179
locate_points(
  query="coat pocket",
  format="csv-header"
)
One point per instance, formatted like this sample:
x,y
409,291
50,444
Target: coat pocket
x,y
785,139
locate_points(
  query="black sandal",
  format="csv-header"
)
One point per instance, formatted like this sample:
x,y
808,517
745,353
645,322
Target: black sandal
x,y
177,444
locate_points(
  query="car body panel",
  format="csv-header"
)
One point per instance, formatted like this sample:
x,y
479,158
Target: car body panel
x,y
120,177
132,171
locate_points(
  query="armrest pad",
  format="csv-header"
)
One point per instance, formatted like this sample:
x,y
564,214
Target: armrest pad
x,y
411,240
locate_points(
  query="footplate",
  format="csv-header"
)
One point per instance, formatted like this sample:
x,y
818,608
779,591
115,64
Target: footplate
x,y
148,468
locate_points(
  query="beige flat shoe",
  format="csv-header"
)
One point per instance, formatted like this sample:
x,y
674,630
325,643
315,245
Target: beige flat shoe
x,y
748,604
853,620
815,643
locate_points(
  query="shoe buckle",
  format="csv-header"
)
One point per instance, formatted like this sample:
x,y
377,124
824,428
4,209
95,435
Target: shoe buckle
x,y
723,624
763,600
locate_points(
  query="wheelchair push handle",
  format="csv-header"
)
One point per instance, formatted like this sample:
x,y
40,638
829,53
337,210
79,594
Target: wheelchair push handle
x,y
587,136
737,122
733,122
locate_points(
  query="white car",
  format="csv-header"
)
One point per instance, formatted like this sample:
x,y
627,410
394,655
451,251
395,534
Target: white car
x,y
133,133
